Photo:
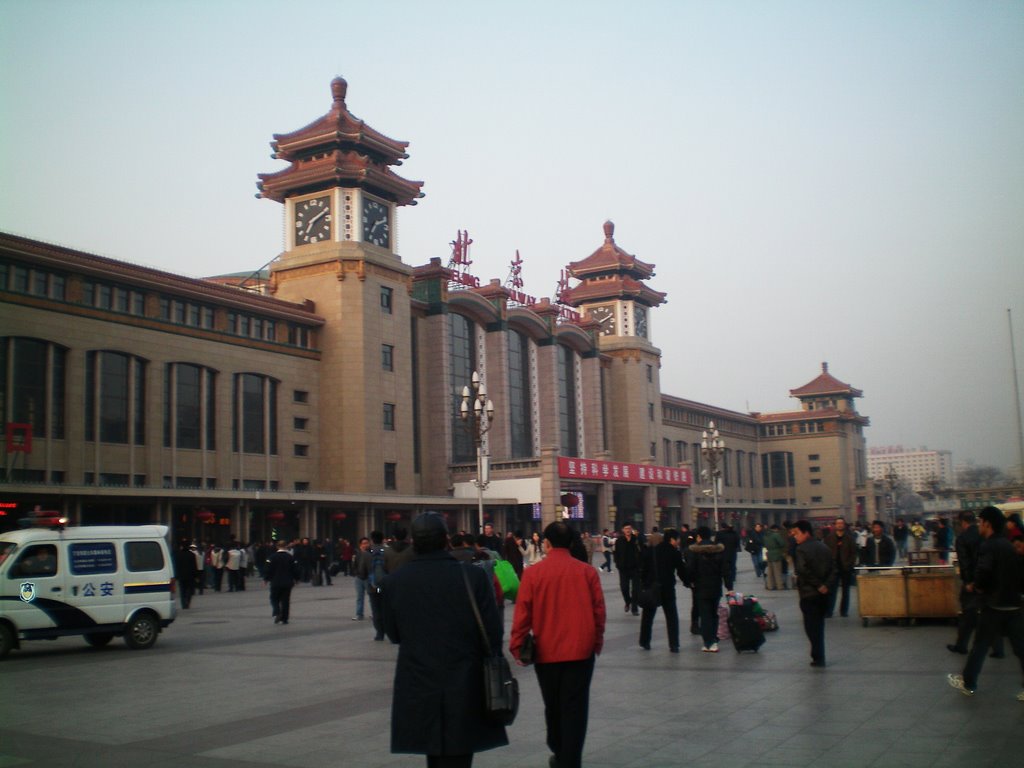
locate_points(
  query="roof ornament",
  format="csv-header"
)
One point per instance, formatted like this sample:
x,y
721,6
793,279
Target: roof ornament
x,y
609,232
339,89
824,367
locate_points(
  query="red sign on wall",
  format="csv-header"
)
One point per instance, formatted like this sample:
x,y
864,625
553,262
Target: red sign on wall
x,y
622,472
18,437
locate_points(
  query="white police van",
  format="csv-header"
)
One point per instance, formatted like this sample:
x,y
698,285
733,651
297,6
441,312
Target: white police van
x,y
99,582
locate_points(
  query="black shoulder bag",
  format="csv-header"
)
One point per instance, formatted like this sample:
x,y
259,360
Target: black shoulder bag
x,y
501,690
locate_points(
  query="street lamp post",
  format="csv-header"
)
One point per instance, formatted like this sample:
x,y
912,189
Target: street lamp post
x,y
712,446
892,481
478,418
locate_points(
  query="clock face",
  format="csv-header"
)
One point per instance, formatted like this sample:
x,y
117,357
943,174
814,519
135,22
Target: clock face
x,y
640,321
313,220
376,223
606,317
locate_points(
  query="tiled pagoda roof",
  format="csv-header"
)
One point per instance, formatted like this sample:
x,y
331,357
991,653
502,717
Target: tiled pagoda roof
x,y
825,384
610,272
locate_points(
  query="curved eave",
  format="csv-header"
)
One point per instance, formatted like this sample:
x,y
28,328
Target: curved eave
x,y
620,288
528,322
339,169
574,337
337,127
473,306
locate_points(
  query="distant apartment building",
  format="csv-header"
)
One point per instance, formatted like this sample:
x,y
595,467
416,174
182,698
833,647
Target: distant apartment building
x,y
916,467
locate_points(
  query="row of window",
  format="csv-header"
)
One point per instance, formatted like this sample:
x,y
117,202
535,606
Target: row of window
x,y
113,297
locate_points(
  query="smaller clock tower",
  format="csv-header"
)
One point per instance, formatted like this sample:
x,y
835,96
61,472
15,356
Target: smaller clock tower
x,y
612,292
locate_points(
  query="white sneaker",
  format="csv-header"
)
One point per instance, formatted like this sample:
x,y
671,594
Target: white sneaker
x,y
713,648
1020,696
957,681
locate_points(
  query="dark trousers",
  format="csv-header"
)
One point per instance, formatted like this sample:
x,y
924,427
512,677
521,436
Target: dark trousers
x,y
841,581
376,608
565,688
814,609
968,622
449,761
991,624
607,562
668,604
707,610
629,583
186,588
281,601
694,613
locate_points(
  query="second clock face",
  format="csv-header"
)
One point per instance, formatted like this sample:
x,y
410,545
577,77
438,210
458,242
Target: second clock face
x,y
376,223
313,220
606,317
640,321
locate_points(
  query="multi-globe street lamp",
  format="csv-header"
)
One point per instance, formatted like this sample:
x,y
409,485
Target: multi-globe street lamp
x,y
478,418
712,447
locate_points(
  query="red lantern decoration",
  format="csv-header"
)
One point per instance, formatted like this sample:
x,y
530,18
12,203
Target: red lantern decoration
x,y
339,516
394,516
570,499
205,516
275,516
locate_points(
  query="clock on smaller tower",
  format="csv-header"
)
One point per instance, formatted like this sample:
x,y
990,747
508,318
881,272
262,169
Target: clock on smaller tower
x,y
376,222
605,315
640,320
313,220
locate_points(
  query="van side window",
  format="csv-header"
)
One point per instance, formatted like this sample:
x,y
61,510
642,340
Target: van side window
x,y
143,556
37,560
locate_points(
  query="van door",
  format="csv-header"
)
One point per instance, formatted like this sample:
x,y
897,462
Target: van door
x,y
95,580
33,589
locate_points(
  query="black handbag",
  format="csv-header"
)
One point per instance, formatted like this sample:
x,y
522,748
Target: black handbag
x,y
501,689
527,649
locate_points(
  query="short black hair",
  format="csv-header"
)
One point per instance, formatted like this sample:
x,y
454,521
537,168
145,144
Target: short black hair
x,y
994,517
671,534
703,532
400,533
558,534
376,537
804,526
458,540
966,516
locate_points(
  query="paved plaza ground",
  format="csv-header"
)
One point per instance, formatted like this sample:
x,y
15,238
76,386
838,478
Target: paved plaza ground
x,y
226,688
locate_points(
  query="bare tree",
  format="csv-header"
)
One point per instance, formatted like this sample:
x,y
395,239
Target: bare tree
x,y
981,477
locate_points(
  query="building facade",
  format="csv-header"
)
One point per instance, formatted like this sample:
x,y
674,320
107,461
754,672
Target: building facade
x,y
922,469
324,398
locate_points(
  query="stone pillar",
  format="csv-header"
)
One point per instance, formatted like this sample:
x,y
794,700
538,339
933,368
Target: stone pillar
x,y
550,486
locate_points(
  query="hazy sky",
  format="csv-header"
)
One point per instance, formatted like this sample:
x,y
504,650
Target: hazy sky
x,y
814,181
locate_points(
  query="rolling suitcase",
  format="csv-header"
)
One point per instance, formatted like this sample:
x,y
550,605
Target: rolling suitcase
x,y
746,631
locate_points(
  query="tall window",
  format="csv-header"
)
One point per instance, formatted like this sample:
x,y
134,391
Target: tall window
x,y
462,365
254,412
567,401
115,389
389,417
387,357
739,467
189,406
32,367
777,469
519,406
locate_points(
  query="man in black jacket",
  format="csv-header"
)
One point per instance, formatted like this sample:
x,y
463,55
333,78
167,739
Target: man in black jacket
x,y
997,582
659,566
813,568
843,548
281,576
967,543
880,550
627,561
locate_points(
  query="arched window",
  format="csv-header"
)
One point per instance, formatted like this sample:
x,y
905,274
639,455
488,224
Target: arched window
x,y
519,403
115,389
567,402
189,406
254,414
35,371
463,363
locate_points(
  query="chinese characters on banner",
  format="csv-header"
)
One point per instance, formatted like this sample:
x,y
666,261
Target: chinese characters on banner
x,y
622,472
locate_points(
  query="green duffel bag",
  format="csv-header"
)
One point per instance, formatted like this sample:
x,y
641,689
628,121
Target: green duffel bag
x,y
507,578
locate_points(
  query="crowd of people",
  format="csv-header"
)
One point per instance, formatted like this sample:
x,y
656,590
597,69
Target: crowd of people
x,y
411,583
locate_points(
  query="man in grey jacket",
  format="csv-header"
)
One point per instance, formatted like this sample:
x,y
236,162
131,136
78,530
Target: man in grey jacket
x,y
813,567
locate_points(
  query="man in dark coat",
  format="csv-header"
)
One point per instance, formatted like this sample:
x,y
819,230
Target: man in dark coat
x,y
627,561
880,550
281,576
813,568
843,548
437,703
729,539
998,577
707,571
660,565
185,573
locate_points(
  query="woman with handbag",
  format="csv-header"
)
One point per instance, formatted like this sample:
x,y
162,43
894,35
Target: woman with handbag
x,y
659,565
438,701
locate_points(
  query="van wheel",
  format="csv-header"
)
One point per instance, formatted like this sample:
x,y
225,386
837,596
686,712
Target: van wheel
x,y
99,640
6,640
141,632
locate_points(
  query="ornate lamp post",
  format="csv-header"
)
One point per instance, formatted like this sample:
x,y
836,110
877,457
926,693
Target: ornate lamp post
x,y
478,419
712,446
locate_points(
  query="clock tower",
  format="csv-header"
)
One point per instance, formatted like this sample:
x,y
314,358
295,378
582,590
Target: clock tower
x,y
340,198
613,293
